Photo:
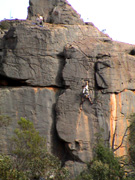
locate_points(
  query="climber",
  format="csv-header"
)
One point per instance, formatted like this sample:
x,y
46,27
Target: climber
x,y
85,95
86,92
39,20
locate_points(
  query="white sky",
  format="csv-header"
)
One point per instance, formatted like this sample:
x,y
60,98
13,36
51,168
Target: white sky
x,y
116,16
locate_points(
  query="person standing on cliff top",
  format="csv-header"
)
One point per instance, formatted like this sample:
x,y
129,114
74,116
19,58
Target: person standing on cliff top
x,y
39,20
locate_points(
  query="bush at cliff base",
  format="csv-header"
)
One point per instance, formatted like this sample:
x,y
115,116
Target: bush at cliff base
x,y
105,166
132,139
7,170
29,157
130,161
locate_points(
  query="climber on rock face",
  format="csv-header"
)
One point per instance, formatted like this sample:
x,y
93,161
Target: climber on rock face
x,y
85,94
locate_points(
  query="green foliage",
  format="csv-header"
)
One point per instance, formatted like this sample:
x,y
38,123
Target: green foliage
x,y
112,164
7,170
130,160
105,166
27,142
4,25
30,159
132,139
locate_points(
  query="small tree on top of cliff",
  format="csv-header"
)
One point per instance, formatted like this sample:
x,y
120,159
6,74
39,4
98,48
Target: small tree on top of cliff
x,y
4,25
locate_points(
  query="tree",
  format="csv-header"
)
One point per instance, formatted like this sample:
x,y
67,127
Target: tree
x,y
7,170
104,166
130,161
132,139
29,156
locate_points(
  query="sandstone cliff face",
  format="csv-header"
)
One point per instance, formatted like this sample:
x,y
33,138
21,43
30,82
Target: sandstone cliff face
x,y
54,11
42,71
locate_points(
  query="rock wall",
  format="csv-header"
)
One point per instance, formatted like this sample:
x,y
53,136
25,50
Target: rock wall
x,y
54,11
42,72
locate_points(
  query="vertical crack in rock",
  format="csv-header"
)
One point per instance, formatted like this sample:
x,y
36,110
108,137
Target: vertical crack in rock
x,y
100,68
120,109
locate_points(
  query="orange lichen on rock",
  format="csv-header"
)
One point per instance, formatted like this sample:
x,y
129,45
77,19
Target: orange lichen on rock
x,y
49,88
119,139
120,130
52,89
36,90
118,124
120,105
113,117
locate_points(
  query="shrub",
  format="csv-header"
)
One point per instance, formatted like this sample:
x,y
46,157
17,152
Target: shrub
x,y
130,160
106,156
105,166
29,157
4,25
132,139
7,170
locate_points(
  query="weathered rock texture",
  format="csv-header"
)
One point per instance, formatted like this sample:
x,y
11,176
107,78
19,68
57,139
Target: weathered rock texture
x,y
54,11
29,102
42,71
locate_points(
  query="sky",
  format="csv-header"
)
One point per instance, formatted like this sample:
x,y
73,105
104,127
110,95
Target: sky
x,y
116,17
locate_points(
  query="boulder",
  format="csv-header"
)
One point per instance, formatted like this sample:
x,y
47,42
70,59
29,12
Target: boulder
x,y
54,11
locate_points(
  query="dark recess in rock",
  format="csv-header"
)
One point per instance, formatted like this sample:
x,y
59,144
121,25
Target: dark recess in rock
x,y
132,52
5,81
100,81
